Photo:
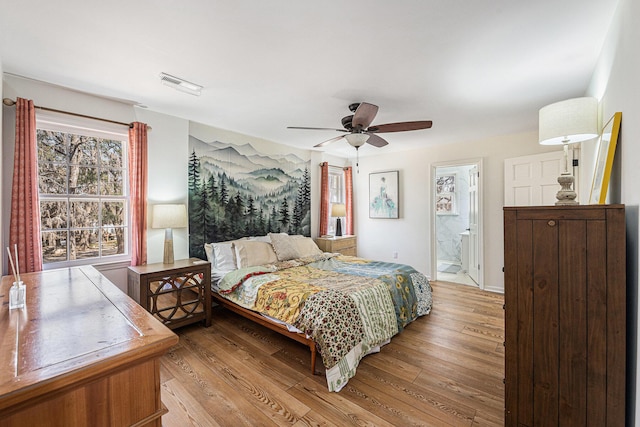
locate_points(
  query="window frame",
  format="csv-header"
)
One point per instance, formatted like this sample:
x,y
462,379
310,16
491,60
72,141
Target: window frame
x,y
336,195
60,122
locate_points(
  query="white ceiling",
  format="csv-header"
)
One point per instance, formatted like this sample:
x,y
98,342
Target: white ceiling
x,y
477,68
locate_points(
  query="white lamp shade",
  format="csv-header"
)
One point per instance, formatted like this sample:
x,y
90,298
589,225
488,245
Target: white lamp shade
x,y
338,209
357,139
169,216
568,122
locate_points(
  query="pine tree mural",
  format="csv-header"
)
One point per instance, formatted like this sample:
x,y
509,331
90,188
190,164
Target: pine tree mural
x,y
225,206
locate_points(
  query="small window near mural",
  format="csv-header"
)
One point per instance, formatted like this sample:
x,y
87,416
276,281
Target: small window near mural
x,y
336,194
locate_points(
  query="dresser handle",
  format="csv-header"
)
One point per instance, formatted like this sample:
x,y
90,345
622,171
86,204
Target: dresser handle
x,y
551,223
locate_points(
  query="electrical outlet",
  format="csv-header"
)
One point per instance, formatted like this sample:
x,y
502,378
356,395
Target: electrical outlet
x,y
395,255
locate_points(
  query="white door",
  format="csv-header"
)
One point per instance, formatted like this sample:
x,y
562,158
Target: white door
x,y
533,180
474,248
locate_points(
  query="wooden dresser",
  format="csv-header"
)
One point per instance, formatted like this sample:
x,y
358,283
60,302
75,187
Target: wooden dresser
x,y
346,245
81,353
565,302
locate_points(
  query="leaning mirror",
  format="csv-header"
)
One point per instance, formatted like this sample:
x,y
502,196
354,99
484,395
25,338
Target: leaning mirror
x,y
604,162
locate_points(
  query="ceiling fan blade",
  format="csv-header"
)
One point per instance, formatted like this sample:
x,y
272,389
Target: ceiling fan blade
x,y
364,115
401,126
375,140
306,128
329,141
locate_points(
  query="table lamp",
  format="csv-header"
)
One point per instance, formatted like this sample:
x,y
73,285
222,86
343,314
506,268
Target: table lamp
x,y
338,210
568,122
169,217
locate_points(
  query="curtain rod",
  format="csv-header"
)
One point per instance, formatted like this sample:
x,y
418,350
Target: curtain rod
x,y
333,166
10,102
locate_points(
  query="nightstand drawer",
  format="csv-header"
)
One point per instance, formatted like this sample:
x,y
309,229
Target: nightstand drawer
x,y
346,245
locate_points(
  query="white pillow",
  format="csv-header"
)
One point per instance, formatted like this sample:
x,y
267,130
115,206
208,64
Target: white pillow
x,y
208,250
224,256
250,253
261,239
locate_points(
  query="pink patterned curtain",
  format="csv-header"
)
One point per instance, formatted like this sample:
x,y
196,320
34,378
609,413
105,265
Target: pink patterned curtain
x,y
25,210
348,183
324,198
138,192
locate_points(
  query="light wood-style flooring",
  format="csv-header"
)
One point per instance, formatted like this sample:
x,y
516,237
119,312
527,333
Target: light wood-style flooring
x,y
444,369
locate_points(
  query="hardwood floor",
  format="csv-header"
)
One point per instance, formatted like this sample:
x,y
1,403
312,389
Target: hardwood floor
x,y
444,369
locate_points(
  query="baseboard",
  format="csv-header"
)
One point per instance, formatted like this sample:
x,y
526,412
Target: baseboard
x,y
494,289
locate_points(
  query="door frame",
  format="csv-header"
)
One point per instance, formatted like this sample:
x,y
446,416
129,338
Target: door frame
x,y
434,248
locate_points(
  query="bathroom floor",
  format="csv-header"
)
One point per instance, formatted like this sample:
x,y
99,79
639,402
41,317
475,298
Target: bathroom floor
x,y
449,272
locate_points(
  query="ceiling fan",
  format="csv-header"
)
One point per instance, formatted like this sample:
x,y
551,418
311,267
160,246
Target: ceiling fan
x,y
359,130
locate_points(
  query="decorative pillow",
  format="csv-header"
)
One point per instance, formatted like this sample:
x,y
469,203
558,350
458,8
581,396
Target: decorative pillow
x,y
284,246
250,253
306,247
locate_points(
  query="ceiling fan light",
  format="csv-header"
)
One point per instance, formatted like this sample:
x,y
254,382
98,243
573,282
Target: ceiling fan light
x,y
357,139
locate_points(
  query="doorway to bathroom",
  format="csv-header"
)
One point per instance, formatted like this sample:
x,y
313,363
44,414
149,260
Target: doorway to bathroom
x,y
457,222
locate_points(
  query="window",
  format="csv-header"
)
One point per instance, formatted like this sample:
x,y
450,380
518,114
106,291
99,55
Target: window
x,y
336,193
82,181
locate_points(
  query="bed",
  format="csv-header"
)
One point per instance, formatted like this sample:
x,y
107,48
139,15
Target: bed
x,y
344,307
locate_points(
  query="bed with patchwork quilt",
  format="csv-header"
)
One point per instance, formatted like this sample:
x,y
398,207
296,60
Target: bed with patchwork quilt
x,y
347,306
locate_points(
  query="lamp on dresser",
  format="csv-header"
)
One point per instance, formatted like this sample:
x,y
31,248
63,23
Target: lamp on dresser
x,y
169,216
563,123
338,210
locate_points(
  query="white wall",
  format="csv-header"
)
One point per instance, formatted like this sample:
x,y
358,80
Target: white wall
x,y
378,239
616,83
168,145
1,172
410,235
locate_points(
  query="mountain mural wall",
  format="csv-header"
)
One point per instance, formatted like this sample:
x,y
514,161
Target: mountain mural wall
x,y
237,191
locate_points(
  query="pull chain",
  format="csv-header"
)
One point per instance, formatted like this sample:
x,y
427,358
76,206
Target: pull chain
x,y
357,160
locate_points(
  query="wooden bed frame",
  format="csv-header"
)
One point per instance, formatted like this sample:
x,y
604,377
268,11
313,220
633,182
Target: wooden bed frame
x,y
277,327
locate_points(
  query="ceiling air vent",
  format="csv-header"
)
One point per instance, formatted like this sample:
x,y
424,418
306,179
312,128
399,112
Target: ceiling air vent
x,y
180,84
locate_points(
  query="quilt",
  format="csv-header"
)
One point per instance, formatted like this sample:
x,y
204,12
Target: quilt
x,y
349,306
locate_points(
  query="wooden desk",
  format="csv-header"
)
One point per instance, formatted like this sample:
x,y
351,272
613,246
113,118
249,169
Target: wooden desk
x,y
80,353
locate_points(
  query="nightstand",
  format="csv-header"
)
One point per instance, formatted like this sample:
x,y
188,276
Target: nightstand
x,y
346,245
176,294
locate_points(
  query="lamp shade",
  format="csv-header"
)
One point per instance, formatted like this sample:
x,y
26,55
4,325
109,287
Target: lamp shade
x,y
568,122
169,216
357,139
338,209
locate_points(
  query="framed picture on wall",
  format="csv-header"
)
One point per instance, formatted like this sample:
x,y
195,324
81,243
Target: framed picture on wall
x,y
446,195
383,194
